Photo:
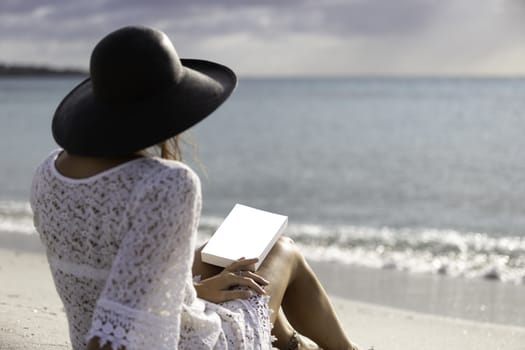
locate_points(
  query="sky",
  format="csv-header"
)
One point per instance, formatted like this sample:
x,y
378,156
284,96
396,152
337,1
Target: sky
x,y
284,37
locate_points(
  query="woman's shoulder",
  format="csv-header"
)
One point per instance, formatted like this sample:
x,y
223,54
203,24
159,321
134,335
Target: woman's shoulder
x,y
44,166
169,164
169,168
169,176
49,158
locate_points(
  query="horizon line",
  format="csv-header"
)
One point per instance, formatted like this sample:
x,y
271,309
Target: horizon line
x,y
20,69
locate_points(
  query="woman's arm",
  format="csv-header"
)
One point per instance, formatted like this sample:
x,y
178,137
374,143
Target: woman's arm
x,y
141,303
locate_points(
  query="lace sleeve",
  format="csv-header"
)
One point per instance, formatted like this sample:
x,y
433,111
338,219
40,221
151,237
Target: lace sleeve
x,y
141,303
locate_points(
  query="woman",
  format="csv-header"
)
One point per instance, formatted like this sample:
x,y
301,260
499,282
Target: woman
x,y
119,226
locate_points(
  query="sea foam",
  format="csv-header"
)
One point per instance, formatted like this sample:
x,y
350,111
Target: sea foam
x,y
414,250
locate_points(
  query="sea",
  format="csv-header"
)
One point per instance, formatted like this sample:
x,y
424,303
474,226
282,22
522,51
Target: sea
x,y
419,175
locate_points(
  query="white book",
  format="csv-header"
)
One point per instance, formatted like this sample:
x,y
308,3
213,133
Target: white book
x,y
245,232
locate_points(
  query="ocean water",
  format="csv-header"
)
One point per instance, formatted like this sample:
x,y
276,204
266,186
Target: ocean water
x,y
419,175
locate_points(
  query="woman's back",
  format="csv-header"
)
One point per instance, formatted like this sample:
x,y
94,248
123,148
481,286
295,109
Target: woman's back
x,y
88,225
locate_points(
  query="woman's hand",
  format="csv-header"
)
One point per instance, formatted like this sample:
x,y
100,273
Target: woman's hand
x,y
218,288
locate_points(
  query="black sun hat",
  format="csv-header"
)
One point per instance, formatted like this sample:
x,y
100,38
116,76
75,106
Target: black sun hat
x,y
139,93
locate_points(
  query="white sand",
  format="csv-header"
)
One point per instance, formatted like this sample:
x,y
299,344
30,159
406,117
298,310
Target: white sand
x,y
31,313
31,317
393,329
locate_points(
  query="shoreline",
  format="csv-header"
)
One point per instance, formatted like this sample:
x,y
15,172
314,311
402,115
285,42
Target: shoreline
x,y
476,300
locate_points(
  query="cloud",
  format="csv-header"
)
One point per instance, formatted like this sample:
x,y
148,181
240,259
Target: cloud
x,y
276,37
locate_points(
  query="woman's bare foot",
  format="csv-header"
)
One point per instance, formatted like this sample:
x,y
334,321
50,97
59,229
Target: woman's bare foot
x,y
306,343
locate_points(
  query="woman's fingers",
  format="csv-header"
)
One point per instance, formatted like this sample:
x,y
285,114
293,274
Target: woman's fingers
x,y
241,264
240,280
254,277
221,287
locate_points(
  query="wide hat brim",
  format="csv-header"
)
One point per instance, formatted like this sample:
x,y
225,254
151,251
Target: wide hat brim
x,y
86,125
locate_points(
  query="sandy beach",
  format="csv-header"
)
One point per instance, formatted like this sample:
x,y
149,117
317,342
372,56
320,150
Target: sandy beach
x,y
32,317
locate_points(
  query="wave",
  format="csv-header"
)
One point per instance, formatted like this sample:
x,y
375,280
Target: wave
x,y
421,250
414,250
16,217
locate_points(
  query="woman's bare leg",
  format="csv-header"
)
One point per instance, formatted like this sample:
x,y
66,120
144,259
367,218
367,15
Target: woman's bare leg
x,y
294,286
282,329
306,305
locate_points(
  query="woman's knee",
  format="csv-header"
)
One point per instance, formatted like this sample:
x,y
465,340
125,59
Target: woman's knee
x,y
280,268
286,240
286,244
286,247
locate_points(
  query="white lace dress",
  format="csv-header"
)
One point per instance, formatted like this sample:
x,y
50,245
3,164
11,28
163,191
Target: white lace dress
x,y
120,245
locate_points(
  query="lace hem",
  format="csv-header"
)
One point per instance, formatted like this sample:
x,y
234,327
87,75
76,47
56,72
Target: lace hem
x,y
122,326
257,322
